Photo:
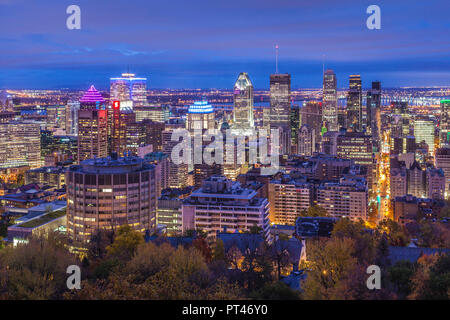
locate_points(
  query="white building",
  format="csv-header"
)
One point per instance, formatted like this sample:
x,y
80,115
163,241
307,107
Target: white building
x,y
221,204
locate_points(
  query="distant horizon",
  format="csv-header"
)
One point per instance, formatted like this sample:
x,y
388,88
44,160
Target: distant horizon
x,y
206,44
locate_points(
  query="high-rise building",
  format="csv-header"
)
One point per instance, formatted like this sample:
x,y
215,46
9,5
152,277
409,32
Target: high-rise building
x,y
105,193
416,181
311,115
398,182
354,104
306,141
162,169
92,126
6,101
329,107
20,144
295,126
178,173
346,198
72,108
280,108
442,161
445,124
357,146
373,107
122,118
435,183
424,131
243,103
156,113
200,116
129,88
288,198
221,204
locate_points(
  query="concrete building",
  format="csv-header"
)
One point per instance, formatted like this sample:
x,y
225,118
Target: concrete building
x,y
346,198
223,204
288,198
306,141
442,161
20,144
53,176
92,126
106,193
435,183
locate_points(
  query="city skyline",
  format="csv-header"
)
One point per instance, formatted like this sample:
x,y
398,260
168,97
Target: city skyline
x,y
205,45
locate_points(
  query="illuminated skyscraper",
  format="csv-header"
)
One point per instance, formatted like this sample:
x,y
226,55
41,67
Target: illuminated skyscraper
x,y
121,120
374,113
6,103
280,108
354,104
109,192
200,116
424,131
329,108
129,88
280,100
20,144
243,102
445,124
92,126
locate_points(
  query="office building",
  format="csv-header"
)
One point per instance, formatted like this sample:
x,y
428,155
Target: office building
x,y
200,116
330,112
354,104
424,131
105,193
306,141
442,161
346,198
20,144
129,88
92,126
221,204
288,197
373,107
243,103
445,124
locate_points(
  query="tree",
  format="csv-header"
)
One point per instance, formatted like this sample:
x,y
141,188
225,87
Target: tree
x,y
275,291
432,278
218,253
364,244
125,243
399,275
330,261
201,245
314,211
37,269
396,234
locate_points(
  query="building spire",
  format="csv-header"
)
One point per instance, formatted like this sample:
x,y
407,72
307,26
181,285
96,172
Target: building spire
x,y
276,59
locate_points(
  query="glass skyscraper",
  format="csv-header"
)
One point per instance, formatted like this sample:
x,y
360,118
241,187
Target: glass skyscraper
x,y
129,88
354,104
243,102
329,108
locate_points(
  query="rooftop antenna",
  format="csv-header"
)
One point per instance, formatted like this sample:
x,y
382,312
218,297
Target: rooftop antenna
x,y
323,64
276,59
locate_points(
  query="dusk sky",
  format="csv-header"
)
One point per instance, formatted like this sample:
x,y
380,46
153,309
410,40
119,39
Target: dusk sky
x,y
206,43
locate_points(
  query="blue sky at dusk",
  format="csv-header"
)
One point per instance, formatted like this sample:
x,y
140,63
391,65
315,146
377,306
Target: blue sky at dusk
x,y
205,44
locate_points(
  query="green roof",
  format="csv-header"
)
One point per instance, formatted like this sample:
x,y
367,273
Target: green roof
x,y
43,219
445,101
